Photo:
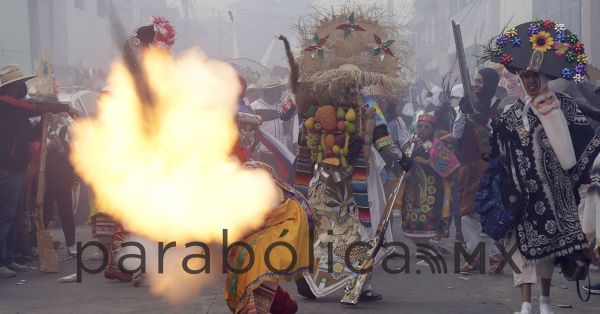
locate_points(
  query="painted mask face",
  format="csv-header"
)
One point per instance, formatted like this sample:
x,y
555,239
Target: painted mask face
x,y
545,103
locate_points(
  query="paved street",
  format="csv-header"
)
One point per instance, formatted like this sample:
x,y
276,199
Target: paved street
x,y
424,293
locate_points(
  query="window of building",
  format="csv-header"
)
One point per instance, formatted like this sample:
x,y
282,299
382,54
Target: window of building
x,y
101,6
80,4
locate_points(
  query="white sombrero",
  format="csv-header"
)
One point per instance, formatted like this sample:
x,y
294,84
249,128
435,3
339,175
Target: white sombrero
x,y
12,74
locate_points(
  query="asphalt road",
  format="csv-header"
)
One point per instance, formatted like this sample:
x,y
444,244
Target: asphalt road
x,y
35,292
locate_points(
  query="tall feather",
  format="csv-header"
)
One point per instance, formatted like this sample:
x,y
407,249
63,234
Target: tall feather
x,y
294,69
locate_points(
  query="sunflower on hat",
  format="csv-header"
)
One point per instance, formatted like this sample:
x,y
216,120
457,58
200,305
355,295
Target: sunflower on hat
x,y
541,41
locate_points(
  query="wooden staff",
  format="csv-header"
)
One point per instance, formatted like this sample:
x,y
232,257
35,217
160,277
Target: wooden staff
x,y
47,255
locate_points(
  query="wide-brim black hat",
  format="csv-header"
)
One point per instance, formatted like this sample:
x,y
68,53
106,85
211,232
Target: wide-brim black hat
x,y
542,46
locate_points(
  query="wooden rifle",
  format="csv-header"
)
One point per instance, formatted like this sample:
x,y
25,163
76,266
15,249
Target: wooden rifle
x,y
462,65
356,283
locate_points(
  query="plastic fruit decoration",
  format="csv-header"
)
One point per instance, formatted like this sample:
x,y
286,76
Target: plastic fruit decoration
x,y
326,115
351,115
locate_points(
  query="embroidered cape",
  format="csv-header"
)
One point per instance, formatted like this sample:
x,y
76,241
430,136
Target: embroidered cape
x,y
550,226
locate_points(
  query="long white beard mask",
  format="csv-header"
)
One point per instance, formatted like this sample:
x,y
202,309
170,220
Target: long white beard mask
x,y
546,107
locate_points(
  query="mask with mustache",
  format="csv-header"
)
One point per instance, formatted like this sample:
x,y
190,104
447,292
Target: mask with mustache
x,y
546,107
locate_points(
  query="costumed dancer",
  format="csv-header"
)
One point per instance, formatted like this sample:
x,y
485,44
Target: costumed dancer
x,y
445,115
257,289
548,145
344,143
427,195
159,34
590,218
474,128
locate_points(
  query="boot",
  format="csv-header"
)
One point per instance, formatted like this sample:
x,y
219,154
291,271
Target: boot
x,y
304,289
112,270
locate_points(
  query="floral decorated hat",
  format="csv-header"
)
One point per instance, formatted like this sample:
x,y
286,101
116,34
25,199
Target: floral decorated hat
x,y
542,46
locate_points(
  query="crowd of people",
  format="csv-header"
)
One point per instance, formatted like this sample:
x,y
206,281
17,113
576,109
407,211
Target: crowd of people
x,y
354,137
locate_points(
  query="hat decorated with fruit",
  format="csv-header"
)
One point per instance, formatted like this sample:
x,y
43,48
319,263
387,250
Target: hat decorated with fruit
x,y
542,46
351,47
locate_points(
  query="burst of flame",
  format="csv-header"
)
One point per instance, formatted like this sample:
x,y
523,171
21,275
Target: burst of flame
x,y
176,182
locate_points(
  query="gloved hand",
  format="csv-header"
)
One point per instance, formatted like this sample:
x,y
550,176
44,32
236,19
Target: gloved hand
x,y
480,118
464,106
405,162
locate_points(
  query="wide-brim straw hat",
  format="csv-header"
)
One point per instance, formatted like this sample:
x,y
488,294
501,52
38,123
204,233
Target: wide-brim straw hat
x,y
12,73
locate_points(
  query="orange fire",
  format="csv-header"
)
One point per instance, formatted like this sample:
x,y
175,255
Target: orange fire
x,y
177,182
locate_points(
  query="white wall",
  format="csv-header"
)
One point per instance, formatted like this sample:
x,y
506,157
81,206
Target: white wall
x,y
14,34
590,28
89,37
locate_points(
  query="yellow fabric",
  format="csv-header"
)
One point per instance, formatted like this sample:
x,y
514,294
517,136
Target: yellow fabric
x,y
289,216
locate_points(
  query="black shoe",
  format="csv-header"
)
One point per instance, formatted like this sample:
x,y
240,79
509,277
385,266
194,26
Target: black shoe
x,y
369,295
23,259
304,289
594,289
17,267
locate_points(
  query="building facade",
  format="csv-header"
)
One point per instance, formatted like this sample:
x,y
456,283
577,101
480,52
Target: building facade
x,y
15,46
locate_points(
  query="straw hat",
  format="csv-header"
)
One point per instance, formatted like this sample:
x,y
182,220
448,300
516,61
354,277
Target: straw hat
x,y
12,74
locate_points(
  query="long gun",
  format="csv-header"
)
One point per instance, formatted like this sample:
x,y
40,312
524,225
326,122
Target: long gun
x,y
356,283
134,66
462,64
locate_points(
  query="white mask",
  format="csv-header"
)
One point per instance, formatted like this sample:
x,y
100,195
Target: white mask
x,y
546,107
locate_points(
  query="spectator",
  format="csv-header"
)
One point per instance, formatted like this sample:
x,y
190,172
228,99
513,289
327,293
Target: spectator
x,y
60,177
16,133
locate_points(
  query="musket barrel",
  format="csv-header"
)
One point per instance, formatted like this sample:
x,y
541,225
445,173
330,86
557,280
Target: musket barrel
x,y
462,64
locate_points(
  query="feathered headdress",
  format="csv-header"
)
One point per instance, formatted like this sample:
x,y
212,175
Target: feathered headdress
x,y
164,32
160,34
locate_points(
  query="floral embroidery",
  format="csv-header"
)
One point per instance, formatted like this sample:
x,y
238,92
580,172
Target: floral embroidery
x,y
540,208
